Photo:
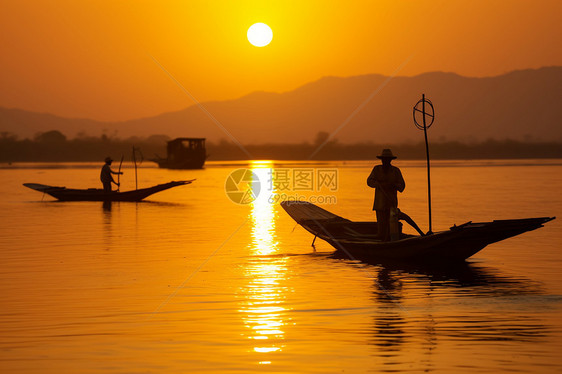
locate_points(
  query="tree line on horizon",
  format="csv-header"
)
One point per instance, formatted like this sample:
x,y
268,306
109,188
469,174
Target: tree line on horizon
x,y
53,146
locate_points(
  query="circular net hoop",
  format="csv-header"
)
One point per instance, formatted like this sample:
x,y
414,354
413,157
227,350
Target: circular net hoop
x,y
419,114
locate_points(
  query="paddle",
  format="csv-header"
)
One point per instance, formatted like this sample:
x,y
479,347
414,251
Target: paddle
x,y
119,174
410,221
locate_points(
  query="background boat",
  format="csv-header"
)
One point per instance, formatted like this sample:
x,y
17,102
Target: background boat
x,y
96,194
184,153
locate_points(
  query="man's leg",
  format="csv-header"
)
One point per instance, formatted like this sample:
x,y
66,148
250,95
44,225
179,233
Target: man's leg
x,y
383,223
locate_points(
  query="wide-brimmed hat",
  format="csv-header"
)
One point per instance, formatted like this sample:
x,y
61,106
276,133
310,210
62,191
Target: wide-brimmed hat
x,y
386,153
108,159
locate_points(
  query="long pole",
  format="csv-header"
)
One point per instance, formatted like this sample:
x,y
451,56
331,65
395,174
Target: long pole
x,y
135,162
427,155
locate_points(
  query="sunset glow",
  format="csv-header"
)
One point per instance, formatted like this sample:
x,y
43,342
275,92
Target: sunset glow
x,y
92,59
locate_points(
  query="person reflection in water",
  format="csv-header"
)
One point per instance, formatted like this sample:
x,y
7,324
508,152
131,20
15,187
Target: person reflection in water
x,y
386,180
106,177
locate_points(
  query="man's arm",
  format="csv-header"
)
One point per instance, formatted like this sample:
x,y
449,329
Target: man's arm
x,y
372,179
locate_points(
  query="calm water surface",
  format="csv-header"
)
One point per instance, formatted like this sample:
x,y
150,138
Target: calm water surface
x,y
191,282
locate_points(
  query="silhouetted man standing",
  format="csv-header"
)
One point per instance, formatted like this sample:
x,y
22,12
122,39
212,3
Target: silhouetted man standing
x,y
105,175
386,180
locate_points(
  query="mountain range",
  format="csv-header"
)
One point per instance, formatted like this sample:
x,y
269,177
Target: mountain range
x,y
520,105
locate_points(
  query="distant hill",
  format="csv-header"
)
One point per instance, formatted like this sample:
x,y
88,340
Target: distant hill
x,y
521,105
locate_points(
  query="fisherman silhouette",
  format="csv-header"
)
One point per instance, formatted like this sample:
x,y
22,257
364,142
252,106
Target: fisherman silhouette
x,y
105,175
387,181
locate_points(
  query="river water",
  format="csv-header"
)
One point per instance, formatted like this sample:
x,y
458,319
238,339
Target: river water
x,y
189,281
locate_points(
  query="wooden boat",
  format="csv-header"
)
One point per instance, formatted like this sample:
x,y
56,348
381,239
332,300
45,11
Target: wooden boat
x,y
95,194
359,239
183,153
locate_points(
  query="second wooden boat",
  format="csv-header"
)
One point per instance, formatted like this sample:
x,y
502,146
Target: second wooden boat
x,y
95,194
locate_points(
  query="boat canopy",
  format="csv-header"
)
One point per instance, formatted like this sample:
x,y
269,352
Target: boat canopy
x,y
190,143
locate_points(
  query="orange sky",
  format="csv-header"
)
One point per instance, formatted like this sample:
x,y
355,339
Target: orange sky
x,y
94,59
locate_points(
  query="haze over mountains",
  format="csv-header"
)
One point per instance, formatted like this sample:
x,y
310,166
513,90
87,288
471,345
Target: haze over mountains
x,y
521,105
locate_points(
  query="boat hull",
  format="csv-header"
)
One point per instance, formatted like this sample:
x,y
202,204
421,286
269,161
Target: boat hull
x,y
94,194
359,239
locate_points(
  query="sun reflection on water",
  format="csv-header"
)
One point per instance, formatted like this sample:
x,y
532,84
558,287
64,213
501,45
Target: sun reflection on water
x,y
263,305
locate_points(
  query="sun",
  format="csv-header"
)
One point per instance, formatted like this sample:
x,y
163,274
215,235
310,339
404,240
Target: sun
x,y
260,34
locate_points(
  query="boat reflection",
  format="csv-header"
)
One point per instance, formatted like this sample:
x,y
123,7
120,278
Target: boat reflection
x,y
389,321
419,308
106,206
468,278
263,297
